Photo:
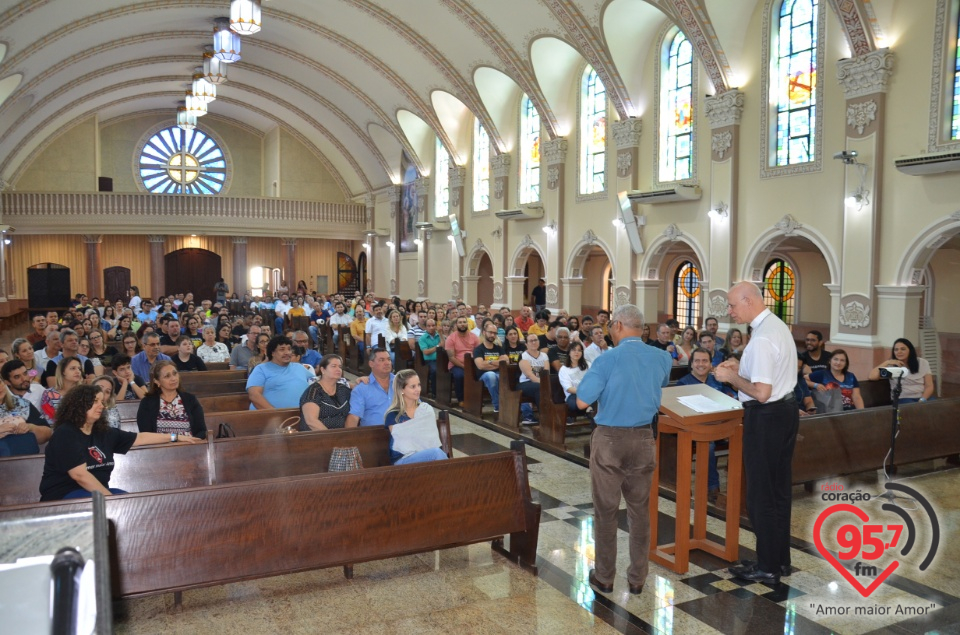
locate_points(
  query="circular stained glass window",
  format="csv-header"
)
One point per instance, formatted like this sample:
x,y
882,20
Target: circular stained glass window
x,y
175,161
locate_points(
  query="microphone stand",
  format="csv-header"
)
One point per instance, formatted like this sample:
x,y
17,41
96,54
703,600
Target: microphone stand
x,y
895,426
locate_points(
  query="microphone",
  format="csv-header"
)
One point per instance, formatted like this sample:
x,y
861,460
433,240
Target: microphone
x,y
66,563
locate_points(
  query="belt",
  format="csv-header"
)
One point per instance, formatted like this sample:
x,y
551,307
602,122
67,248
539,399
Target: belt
x,y
753,403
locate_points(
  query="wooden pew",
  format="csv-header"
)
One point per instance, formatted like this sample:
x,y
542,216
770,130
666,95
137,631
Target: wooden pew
x,y
189,380
474,392
351,359
276,526
226,402
510,396
218,366
421,368
214,389
341,348
404,356
177,466
554,412
445,395
875,393
298,323
269,317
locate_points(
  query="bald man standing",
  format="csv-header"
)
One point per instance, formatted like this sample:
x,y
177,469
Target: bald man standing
x,y
765,378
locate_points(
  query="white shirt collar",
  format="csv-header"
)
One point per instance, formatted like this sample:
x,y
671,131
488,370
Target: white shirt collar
x,y
760,318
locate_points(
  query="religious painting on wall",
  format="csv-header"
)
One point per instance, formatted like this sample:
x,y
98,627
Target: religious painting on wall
x,y
408,206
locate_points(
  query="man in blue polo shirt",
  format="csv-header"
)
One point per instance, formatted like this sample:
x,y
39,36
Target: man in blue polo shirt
x,y
369,400
277,383
627,383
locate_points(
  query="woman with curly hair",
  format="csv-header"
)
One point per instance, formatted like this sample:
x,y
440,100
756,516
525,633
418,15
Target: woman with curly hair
x,y
79,457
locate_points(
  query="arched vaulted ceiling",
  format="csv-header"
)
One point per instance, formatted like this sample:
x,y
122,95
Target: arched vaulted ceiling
x,y
356,81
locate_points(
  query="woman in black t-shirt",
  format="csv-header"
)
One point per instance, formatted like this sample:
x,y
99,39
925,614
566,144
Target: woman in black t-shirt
x,y
79,456
513,346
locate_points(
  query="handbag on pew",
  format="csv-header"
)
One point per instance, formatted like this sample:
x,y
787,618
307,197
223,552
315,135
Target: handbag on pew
x,y
829,401
291,427
225,431
345,460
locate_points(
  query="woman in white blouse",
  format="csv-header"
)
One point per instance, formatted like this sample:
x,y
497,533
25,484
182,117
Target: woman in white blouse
x,y
571,373
395,333
530,364
212,351
917,384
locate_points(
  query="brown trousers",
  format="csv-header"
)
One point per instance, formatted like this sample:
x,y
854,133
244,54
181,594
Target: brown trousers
x,y
622,461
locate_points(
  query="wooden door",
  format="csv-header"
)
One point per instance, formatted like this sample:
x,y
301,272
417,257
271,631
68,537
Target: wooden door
x,y
116,282
48,286
192,270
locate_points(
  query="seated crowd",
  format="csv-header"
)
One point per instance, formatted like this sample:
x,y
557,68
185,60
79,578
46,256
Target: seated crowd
x,y
61,383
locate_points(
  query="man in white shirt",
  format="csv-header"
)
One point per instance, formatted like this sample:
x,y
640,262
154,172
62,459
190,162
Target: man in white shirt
x,y
51,350
375,325
338,319
765,377
281,308
598,345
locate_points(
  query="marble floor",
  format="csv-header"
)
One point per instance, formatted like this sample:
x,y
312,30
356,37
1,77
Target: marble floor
x,y
474,590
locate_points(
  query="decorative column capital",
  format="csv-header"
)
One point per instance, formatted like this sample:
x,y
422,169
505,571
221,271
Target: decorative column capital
x,y
457,175
626,132
395,193
156,238
724,109
422,185
239,240
555,151
370,200
92,238
288,242
865,74
500,165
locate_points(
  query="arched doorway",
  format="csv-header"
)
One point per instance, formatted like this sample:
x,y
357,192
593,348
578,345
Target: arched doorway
x,y
597,273
678,264
116,282
191,270
533,271
485,283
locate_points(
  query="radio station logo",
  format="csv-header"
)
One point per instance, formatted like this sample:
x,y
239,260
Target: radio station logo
x,y
866,537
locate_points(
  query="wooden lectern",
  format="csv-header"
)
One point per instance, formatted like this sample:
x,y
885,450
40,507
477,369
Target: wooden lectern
x,y
692,426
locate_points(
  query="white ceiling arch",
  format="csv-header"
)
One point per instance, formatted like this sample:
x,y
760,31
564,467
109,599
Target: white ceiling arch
x,y
501,96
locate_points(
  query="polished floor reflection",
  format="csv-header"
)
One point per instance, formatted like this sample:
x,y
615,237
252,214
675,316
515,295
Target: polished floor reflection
x,y
474,590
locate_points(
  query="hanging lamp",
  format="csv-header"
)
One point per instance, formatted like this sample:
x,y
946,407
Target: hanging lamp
x,y
245,16
226,43
214,70
202,89
185,120
195,106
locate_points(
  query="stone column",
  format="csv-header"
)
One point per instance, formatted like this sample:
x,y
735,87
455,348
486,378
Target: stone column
x,y
457,178
626,135
864,80
724,112
94,264
554,157
371,202
500,171
572,295
158,274
241,275
3,268
514,292
424,188
289,259
648,299
470,289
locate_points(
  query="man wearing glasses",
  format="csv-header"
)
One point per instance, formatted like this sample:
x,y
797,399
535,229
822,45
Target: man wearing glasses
x,y
627,383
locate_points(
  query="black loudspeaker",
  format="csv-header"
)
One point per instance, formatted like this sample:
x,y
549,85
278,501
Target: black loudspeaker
x,y
105,184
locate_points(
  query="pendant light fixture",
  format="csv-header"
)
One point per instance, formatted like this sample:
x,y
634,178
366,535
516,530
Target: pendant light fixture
x,y
214,70
185,120
202,89
195,106
245,16
226,43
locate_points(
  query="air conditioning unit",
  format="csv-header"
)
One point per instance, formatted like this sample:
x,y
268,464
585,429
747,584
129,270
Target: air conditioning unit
x,y
670,195
523,213
934,163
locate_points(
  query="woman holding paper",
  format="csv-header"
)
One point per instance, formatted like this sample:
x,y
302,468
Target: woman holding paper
x,y
414,437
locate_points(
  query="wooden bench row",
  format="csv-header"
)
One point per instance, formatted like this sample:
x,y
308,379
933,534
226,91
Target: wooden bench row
x,y
246,457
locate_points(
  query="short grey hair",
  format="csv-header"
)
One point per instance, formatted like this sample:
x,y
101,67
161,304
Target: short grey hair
x,y
65,333
629,315
563,329
208,328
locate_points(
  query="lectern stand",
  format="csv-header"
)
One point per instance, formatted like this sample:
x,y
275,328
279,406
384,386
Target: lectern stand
x,y
692,426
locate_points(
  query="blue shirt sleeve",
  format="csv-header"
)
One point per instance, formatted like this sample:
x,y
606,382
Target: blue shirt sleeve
x,y
593,381
817,377
257,377
390,418
357,401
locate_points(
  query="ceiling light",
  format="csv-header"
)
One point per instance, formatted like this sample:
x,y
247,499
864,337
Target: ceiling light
x,y
226,43
196,107
213,69
366,245
202,89
720,213
186,120
7,241
417,242
551,229
245,16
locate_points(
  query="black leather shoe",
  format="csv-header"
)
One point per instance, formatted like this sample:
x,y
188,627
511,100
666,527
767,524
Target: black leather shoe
x,y
785,570
603,588
636,589
754,573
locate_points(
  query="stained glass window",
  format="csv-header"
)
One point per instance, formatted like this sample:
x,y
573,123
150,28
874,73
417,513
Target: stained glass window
x,y
676,111
780,289
686,297
441,180
593,134
481,168
796,72
955,127
176,161
529,152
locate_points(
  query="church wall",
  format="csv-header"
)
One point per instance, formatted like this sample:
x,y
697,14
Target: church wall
x,y
814,297
945,266
68,164
319,257
271,163
118,143
62,249
302,176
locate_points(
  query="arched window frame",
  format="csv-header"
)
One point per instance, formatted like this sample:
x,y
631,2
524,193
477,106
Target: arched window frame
x,y
686,306
945,89
770,86
662,77
589,161
441,180
531,136
481,168
794,303
153,130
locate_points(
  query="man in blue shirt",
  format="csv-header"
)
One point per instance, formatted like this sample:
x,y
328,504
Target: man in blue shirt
x,y
370,399
429,342
627,384
278,383
310,356
700,365
143,361
147,312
